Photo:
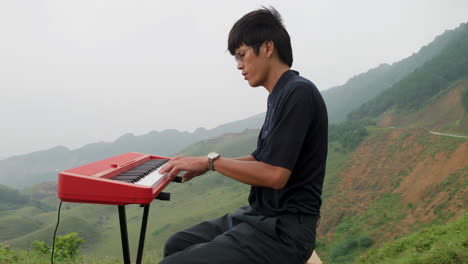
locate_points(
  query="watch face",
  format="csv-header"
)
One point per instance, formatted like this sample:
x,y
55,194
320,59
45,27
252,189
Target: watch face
x,y
213,155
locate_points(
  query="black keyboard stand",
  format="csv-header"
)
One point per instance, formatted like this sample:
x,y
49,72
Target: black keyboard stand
x,y
144,222
124,234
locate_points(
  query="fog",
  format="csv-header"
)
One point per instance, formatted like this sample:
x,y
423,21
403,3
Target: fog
x,y
77,72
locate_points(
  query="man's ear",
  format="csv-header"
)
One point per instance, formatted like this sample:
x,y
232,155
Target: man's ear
x,y
269,48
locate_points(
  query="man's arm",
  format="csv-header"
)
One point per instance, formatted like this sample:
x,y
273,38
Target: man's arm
x,y
245,169
253,172
246,158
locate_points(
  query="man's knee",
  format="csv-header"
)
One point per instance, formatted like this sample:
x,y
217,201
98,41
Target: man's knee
x,y
173,245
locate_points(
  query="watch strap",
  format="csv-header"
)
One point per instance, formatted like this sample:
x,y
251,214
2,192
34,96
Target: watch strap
x,y
212,156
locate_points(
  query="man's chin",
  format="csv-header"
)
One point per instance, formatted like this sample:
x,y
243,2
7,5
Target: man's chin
x,y
253,84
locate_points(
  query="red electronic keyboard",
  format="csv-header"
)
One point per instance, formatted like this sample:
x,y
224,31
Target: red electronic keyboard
x,y
130,178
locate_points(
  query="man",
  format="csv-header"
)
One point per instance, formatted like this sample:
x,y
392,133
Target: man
x,y
286,170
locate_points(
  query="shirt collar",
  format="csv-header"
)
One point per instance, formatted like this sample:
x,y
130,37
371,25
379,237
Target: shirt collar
x,y
281,82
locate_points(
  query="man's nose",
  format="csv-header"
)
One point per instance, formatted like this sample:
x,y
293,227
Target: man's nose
x,y
240,65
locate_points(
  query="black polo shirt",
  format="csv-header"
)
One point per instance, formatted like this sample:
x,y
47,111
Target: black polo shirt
x,y
293,136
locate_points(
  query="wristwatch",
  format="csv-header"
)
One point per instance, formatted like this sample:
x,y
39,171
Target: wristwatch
x,y
212,156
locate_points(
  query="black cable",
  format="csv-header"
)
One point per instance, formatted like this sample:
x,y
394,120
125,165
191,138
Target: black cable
x,y
55,232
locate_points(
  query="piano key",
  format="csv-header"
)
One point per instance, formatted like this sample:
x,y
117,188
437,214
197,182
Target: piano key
x,y
134,173
151,179
120,177
137,173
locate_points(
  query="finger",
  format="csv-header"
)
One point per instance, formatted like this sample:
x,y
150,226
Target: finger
x,y
167,167
174,171
188,176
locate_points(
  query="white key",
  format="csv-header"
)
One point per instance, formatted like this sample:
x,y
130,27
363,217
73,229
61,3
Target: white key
x,y
152,178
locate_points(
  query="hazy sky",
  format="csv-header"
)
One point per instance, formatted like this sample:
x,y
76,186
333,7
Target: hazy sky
x,y
76,72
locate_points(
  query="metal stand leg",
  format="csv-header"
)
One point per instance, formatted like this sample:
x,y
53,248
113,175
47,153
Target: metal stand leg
x,y
141,243
124,234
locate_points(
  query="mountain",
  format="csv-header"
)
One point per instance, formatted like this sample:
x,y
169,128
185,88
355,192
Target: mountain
x,y
431,96
397,180
43,166
444,112
341,100
401,176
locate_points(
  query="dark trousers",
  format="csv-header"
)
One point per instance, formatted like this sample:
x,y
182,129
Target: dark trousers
x,y
244,237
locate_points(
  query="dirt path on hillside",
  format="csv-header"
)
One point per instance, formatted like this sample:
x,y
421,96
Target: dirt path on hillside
x,y
448,135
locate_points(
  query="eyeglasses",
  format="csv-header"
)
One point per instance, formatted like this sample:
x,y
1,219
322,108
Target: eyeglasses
x,y
239,55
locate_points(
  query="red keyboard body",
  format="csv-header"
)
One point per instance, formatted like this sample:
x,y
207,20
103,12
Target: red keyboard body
x,y
93,183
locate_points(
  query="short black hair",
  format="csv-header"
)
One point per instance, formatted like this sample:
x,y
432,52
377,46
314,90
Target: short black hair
x,y
258,26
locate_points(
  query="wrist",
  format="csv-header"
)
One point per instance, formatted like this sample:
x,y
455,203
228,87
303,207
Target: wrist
x,y
216,162
212,156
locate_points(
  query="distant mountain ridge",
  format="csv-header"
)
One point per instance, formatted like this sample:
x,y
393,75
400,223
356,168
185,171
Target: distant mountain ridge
x,y
25,170
341,100
425,85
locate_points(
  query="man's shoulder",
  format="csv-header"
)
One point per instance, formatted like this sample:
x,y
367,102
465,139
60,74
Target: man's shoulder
x,y
301,86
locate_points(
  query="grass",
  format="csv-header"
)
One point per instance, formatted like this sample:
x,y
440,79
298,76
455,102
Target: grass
x,y
444,144
354,233
336,161
21,256
67,225
12,226
440,244
24,211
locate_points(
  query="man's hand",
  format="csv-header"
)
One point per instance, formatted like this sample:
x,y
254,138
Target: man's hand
x,y
193,166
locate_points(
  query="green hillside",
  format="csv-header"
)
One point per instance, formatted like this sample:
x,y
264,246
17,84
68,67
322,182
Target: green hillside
x,y
86,230
13,226
394,183
11,198
423,85
437,244
341,100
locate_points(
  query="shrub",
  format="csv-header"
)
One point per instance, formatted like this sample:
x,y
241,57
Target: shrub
x,y
66,247
7,255
40,247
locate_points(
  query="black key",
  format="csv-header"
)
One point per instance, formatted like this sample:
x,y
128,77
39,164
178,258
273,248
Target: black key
x,y
140,171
